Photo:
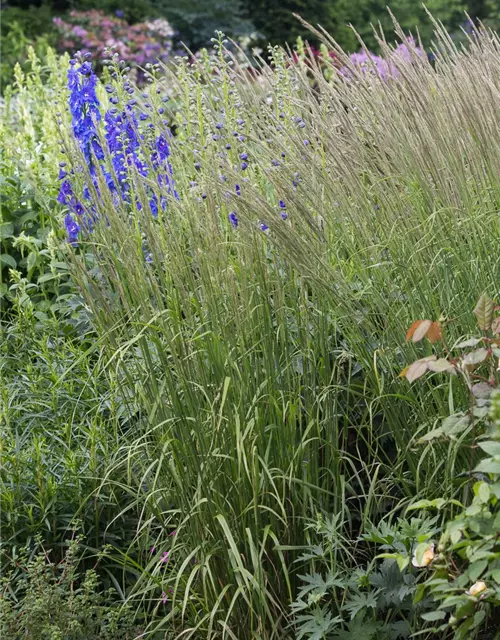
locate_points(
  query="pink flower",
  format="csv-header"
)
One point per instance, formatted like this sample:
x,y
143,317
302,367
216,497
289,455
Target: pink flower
x,y
164,557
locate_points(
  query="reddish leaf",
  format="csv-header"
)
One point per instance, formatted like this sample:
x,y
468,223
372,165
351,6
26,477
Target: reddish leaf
x,y
434,333
417,369
495,326
420,331
411,330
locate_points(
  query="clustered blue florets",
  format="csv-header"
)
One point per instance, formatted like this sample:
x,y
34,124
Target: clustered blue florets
x,y
124,144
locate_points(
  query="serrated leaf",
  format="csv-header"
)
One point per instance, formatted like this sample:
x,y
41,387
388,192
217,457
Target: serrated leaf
x,y
483,311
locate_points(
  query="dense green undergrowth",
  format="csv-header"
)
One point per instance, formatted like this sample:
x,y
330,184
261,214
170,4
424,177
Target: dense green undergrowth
x,y
210,384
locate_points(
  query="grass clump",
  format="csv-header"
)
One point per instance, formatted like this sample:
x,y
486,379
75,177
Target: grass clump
x,y
251,280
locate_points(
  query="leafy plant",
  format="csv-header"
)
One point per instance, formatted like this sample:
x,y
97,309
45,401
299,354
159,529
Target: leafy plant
x,y
58,600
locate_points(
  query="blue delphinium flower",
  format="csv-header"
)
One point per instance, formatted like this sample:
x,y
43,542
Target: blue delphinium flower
x,y
233,219
125,144
72,229
65,193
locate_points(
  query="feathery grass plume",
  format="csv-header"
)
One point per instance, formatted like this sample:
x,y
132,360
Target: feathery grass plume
x,y
264,348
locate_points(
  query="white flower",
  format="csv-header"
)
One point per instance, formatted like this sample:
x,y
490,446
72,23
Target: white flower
x,y
423,556
477,588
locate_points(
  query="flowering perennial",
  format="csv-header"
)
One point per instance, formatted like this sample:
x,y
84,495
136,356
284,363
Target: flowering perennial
x,y
130,151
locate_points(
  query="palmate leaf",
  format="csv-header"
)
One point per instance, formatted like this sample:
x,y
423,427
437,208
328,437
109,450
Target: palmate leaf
x,y
316,625
359,629
315,581
361,601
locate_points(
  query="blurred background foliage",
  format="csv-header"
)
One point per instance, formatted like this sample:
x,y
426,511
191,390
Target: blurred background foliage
x,y
30,22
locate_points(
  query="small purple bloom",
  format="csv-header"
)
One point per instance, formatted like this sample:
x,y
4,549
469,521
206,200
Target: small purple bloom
x,y
275,163
233,219
197,166
282,204
244,156
263,226
237,188
228,146
244,165
219,125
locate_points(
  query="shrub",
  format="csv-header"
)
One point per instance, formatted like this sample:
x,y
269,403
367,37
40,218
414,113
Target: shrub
x,y
93,31
57,600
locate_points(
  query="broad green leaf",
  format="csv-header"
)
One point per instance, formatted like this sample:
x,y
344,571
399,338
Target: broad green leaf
x,y
6,230
476,569
433,616
482,491
495,574
484,312
453,425
490,465
490,447
8,260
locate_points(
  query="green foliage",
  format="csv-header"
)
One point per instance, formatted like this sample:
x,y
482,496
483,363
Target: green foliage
x,y
275,20
197,22
56,600
34,272
343,601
